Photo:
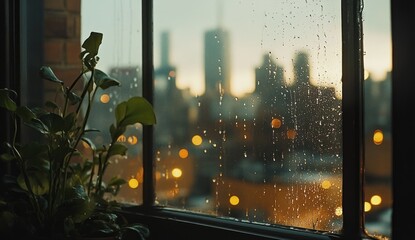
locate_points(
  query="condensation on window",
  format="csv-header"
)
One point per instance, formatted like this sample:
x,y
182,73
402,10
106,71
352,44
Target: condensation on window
x,y
248,100
120,57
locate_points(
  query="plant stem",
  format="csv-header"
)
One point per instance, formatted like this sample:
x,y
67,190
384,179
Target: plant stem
x,y
69,90
33,200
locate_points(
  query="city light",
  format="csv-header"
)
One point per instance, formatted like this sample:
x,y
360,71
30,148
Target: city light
x,y
121,138
197,140
326,184
176,172
105,98
291,134
378,137
376,200
132,140
234,200
367,206
338,211
133,183
183,153
276,123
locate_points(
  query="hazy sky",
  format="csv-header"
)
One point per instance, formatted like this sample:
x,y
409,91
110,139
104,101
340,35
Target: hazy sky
x,y
278,28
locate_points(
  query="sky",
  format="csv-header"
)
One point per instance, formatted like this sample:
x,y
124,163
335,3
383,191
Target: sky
x,y
277,28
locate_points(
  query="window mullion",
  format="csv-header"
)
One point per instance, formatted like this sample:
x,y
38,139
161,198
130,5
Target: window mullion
x,y
352,104
147,63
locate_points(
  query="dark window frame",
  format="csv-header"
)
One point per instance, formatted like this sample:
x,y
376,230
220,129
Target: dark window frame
x,y
353,134
352,127
172,224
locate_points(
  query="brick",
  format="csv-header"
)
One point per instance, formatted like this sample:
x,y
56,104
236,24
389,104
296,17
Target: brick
x,y
71,26
77,27
55,25
73,49
53,50
73,5
67,74
54,4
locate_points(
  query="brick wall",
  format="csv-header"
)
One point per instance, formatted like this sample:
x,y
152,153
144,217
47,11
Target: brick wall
x,y
62,43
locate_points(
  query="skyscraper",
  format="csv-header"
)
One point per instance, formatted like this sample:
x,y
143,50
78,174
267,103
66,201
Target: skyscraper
x,y
217,61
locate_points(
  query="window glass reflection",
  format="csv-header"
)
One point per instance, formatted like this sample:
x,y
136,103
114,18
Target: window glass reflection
x,y
248,99
120,53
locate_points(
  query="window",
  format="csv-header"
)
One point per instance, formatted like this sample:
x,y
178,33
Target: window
x,y
268,145
248,96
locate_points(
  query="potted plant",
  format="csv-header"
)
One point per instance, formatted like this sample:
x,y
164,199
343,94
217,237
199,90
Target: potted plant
x,y
58,190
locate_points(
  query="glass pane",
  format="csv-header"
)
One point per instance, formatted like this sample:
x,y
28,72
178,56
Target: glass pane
x,y
120,57
248,100
377,97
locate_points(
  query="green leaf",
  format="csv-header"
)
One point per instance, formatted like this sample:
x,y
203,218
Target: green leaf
x,y
92,43
39,181
73,98
25,114
54,122
117,149
38,125
77,204
135,110
6,101
7,157
36,166
51,105
116,181
103,81
47,74
116,131
70,121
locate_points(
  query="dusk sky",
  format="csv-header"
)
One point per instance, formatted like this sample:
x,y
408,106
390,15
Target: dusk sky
x,y
278,28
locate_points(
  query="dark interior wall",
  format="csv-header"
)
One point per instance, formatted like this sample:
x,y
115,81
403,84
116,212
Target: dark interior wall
x,y
9,59
403,45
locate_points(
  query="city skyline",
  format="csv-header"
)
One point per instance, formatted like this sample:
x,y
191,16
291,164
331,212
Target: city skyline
x,y
122,22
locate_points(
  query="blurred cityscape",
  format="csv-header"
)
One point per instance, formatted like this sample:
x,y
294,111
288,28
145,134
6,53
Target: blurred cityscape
x,y
273,156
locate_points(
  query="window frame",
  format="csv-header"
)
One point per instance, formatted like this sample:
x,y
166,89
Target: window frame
x,y
403,155
173,223
353,158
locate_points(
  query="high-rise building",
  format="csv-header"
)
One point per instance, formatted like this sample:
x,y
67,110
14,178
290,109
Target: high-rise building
x,y
217,61
167,95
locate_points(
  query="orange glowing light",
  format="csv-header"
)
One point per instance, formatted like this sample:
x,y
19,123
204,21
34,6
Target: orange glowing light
x,y
326,184
105,98
132,140
276,123
291,134
197,140
375,200
338,211
183,153
176,172
367,206
133,183
122,138
234,200
378,137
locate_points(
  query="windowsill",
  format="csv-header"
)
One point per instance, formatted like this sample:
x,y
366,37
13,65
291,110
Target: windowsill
x,y
171,222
